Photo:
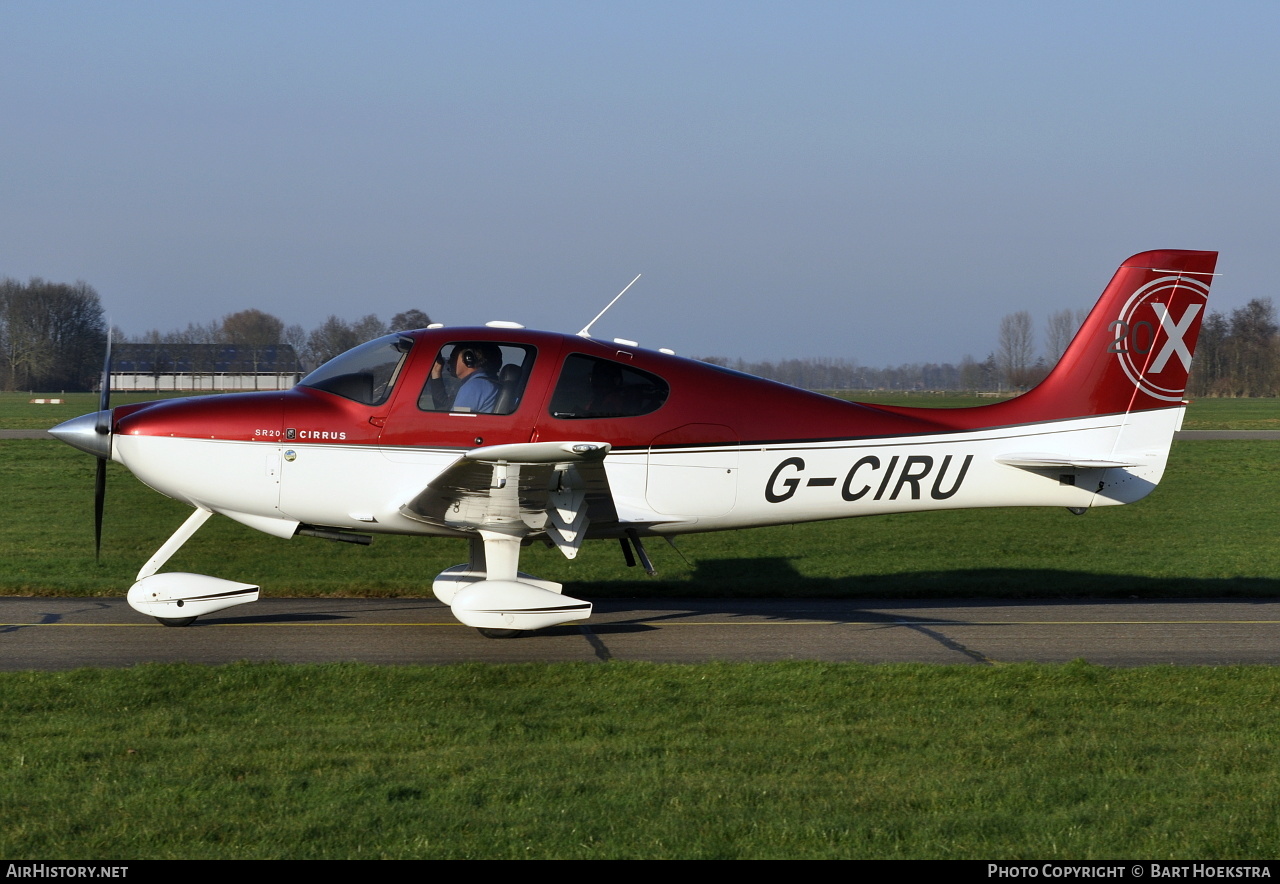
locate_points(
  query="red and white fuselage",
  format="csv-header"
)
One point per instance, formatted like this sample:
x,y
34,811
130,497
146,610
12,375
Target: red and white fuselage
x,y
581,438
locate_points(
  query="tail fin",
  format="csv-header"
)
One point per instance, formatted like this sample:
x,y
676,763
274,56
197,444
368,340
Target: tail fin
x,y
1127,367
1134,350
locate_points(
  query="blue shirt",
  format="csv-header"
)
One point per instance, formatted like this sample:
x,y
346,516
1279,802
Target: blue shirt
x,y
478,393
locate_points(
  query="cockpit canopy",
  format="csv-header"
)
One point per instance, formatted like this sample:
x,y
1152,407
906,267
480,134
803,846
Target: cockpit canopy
x,y
482,376
365,374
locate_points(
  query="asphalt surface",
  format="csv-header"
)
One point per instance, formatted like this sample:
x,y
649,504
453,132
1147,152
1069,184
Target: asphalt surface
x,y
53,634
25,434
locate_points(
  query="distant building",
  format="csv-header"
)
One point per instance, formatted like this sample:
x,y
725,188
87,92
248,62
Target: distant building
x,y
208,367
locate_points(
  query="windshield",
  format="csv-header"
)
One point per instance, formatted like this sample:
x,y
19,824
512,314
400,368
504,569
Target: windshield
x,y
365,374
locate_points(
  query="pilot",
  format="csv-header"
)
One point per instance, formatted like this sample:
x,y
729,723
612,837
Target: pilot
x,y
476,366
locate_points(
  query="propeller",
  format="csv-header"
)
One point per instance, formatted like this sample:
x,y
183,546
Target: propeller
x,y
102,428
91,433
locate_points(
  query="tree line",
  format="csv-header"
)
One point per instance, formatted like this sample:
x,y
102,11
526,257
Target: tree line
x,y
256,331
1238,355
53,336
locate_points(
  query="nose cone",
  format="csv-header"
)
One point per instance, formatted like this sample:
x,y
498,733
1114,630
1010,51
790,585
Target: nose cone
x,y
82,432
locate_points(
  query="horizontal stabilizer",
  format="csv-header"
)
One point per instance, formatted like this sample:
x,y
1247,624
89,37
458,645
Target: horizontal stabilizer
x,y
1058,462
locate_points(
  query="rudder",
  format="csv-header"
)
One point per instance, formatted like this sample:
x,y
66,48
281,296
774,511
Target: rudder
x,y
1134,350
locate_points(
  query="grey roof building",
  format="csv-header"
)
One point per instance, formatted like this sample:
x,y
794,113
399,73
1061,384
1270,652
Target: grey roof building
x,y
203,367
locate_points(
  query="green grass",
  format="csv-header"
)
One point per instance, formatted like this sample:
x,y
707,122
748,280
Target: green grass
x,y
1208,530
796,760
18,412
1233,414
1202,414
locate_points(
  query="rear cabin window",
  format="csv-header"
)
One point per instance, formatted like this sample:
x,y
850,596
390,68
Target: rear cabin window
x,y
597,388
477,377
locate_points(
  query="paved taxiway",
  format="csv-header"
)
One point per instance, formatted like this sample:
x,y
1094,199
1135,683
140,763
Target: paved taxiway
x,y
53,633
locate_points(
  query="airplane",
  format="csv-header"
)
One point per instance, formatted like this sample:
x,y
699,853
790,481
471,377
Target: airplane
x,y
504,436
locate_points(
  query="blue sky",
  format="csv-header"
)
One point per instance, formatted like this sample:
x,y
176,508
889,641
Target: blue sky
x,y
872,181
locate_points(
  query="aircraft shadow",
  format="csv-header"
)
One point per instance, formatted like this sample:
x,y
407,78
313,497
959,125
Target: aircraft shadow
x,y
777,578
772,588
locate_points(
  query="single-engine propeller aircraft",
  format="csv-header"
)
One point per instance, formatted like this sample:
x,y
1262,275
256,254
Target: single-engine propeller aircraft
x,y
504,436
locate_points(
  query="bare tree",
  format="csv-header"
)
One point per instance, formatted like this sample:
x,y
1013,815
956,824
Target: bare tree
x,y
296,337
52,335
197,333
253,332
1016,352
1059,330
1253,348
1210,369
366,328
252,328
409,320
333,336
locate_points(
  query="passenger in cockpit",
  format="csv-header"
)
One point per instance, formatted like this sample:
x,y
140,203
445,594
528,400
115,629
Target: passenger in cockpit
x,y
476,366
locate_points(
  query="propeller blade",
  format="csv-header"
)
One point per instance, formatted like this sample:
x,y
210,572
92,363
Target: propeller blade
x,y
104,397
103,428
99,497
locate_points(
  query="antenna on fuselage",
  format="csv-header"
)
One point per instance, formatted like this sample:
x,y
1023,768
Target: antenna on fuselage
x,y
586,332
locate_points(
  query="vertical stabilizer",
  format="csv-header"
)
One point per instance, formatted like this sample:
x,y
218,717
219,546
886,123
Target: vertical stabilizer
x,y
1134,350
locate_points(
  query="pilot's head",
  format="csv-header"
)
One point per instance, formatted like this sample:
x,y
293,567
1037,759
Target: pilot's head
x,y
467,359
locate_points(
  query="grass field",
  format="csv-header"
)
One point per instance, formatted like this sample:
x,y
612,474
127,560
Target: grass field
x,y
18,412
795,760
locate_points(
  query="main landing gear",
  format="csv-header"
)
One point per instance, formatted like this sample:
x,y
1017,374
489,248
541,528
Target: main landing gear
x,y
500,601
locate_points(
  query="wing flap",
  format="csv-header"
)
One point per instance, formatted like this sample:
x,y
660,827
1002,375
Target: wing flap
x,y
556,488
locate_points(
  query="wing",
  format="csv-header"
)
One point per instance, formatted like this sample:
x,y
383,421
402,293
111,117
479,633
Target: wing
x,y
525,489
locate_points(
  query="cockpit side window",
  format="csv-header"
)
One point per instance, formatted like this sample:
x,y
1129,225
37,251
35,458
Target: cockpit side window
x,y
477,377
365,374
595,388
